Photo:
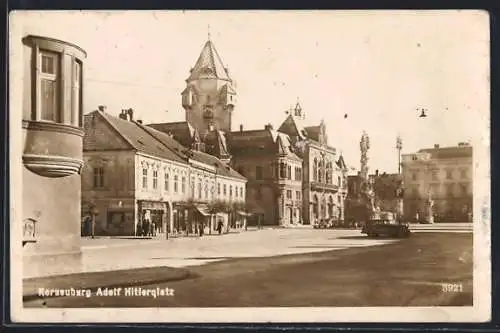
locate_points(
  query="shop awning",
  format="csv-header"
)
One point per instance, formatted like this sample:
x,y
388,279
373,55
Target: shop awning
x,y
243,213
203,210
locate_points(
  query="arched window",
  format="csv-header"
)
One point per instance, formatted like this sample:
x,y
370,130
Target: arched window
x,y
321,171
283,170
329,172
315,170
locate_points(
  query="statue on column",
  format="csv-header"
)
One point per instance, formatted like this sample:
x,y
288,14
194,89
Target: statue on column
x,y
364,146
366,186
400,198
430,209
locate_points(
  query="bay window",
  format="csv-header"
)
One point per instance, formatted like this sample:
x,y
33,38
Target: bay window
x,y
56,75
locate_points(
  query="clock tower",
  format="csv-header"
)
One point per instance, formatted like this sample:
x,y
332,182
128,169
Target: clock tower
x,y
209,97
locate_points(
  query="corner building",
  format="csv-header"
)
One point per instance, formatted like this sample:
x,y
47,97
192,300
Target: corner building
x,y
52,156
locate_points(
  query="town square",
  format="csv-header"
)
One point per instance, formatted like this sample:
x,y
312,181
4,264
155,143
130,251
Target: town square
x,y
202,160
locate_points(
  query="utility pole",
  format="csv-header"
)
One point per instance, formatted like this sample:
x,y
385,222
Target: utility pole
x,y
399,147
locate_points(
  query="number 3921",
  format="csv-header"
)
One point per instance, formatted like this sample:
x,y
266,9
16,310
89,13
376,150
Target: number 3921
x,y
452,287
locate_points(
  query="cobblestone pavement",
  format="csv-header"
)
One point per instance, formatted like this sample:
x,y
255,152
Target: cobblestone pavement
x,y
113,254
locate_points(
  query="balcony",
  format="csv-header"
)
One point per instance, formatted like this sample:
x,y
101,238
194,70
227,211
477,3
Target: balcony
x,y
322,187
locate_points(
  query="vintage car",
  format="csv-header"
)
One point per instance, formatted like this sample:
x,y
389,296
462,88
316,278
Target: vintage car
x,y
385,225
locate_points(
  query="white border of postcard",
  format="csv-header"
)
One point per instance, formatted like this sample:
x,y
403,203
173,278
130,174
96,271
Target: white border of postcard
x,y
479,312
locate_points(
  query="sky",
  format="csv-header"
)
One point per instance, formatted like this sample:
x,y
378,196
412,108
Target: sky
x,y
375,67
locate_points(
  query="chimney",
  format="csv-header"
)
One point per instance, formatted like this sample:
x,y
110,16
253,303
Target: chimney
x,y
436,146
102,108
268,127
241,128
130,114
123,115
376,173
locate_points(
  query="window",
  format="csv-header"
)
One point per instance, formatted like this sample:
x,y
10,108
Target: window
x,y
339,181
176,183
155,179
414,176
463,189
192,186
298,195
434,175
236,191
167,184
144,178
258,172
463,174
218,189
289,172
206,191
49,86
320,172
288,194
76,115
230,190
183,186
434,189
199,189
298,174
315,170
241,192
450,191
449,174
414,192
99,177
224,192
282,170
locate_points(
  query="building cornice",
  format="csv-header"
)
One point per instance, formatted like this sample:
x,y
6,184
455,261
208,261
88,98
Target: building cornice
x,y
52,127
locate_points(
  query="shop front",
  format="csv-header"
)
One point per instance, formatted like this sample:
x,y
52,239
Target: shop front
x,y
153,218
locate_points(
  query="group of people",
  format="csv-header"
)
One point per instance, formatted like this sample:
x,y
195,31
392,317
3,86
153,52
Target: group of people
x,y
146,228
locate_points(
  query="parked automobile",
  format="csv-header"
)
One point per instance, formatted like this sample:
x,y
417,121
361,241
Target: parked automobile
x,y
386,226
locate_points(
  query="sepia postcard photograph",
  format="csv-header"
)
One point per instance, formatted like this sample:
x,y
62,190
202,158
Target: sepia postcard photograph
x,y
249,166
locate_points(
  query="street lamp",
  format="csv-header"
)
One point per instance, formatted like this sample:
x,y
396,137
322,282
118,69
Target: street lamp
x,y
93,212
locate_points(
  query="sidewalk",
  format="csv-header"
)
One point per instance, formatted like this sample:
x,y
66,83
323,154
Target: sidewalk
x,y
107,279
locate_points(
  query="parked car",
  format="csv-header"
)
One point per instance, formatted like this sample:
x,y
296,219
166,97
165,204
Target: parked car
x,y
386,226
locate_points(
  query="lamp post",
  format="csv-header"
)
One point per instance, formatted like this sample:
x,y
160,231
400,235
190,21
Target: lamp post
x,y
93,212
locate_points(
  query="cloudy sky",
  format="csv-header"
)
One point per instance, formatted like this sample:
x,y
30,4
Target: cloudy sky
x,y
375,67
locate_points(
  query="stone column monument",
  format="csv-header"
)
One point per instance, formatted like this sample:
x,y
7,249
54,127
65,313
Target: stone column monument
x,y
366,186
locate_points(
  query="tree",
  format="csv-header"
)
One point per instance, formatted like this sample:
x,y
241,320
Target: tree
x,y
190,205
214,207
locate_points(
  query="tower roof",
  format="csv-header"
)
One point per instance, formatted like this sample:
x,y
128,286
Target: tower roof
x,y
209,64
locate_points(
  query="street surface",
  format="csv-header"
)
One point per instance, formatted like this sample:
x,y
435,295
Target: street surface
x,y
114,254
427,269
108,254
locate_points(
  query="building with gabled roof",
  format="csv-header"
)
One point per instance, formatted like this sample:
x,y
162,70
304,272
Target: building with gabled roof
x,y
134,173
324,180
278,164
